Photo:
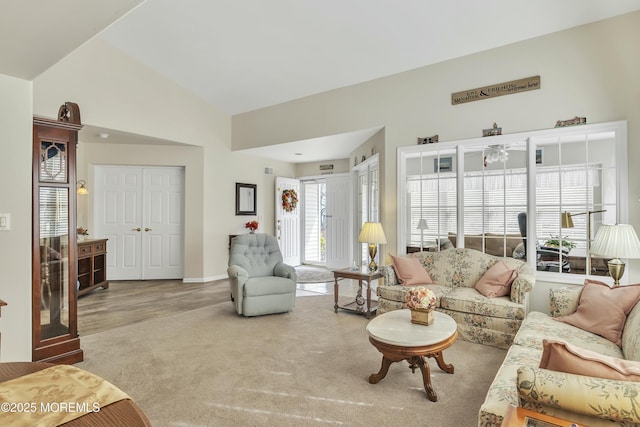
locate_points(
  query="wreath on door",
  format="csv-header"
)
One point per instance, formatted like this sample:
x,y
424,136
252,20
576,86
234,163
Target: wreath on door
x,y
289,200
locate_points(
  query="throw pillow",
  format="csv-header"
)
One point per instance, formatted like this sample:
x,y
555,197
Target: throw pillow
x,y
603,310
409,271
564,357
497,280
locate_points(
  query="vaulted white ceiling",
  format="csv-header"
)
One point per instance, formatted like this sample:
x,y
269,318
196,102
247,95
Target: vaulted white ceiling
x,y
242,55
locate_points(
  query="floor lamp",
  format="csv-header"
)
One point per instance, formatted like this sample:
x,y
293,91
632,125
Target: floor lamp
x,y
373,234
567,222
422,225
616,241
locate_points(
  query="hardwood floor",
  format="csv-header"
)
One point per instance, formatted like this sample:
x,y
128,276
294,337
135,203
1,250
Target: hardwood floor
x,y
128,302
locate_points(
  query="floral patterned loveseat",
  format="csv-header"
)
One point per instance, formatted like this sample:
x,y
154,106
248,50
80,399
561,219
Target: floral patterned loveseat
x,y
585,400
480,319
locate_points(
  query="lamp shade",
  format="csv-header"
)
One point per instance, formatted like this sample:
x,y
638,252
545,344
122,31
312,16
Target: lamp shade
x,y
422,224
566,220
82,190
616,241
372,232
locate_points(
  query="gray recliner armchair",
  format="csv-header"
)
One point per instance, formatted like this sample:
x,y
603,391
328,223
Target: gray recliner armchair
x,y
260,282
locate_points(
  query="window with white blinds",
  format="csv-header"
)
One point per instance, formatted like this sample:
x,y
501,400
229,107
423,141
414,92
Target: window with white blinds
x,y
492,180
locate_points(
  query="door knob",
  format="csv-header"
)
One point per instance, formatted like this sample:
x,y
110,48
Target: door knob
x,y
136,229
147,229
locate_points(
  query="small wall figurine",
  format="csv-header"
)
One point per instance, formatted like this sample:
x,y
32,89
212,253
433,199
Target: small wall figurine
x,y
428,140
495,130
571,122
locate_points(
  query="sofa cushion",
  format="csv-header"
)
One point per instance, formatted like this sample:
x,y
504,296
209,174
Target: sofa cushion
x,y
564,357
496,282
267,285
410,271
603,310
538,326
468,300
563,301
630,335
456,267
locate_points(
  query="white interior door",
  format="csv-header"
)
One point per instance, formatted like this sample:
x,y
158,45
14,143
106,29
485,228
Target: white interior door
x,y
118,217
338,221
162,242
288,222
140,210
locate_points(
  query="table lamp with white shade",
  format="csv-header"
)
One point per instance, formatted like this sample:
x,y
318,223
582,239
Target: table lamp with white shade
x,y
616,241
373,234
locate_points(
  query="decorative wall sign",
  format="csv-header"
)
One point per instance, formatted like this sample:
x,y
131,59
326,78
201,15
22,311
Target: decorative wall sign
x,y
572,122
326,167
499,89
428,140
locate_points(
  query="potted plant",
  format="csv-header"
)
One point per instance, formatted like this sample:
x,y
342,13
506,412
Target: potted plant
x,y
556,241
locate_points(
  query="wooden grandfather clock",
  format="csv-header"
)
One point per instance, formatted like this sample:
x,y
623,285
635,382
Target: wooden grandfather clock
x,y
54,292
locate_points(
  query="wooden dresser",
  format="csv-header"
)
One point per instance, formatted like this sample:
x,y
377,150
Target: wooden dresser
x,y
92,265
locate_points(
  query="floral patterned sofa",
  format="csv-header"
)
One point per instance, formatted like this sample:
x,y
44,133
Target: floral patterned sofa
x,y
491,321
582,399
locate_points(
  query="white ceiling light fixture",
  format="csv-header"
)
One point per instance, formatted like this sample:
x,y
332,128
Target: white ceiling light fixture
x,y
496,153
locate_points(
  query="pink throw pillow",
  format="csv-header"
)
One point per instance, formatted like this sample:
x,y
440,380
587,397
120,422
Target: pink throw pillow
x,y
410,271
603,310
497,280
563,357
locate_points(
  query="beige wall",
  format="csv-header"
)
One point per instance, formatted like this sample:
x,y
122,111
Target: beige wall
x,y
124,95
587,71
16,119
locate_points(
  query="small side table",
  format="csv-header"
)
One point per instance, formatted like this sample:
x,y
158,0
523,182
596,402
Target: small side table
x,y
393,334
361,275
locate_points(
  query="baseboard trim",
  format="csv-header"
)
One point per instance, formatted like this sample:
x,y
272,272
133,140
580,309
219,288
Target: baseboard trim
x,y
203,279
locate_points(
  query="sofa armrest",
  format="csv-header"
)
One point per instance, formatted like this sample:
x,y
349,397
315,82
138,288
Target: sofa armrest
x,y
563,301
389,275
523,285
595,397
238,276
284,270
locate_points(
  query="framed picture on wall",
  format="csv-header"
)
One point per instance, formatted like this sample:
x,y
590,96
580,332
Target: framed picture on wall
x,y
443,164
246,199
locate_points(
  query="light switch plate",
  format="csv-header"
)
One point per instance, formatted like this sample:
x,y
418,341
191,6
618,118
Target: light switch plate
x,y
5,221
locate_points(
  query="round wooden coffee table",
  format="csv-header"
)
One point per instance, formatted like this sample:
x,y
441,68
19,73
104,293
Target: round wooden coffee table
x,y
398,339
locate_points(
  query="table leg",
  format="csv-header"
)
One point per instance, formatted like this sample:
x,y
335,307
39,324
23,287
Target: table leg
x,y
335,295
447,367
426,376
359,298
368,314
374,378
